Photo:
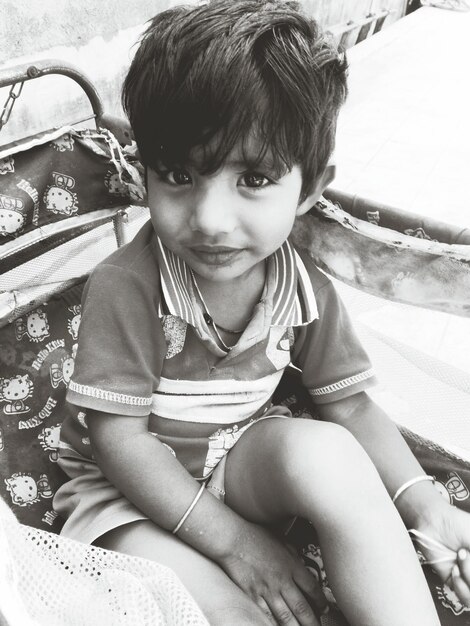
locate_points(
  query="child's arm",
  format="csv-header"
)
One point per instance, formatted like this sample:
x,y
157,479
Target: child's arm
x,y
142,468
391,455
421,506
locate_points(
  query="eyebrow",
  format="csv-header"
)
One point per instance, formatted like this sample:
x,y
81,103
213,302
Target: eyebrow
x,y
252,162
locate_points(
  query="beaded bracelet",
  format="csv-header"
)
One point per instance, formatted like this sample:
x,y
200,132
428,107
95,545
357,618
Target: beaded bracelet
x,y
410,483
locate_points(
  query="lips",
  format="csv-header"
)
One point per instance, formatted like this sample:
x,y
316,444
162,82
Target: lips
x,y
216,255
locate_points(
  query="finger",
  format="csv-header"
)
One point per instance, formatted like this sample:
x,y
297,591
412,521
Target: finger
x,y
261,602
460,587
299,606
281,612
463,559
311,587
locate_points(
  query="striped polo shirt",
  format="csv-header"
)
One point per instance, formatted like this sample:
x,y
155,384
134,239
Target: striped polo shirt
x,y
144,348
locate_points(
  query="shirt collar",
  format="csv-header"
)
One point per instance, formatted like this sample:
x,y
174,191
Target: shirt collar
x,y
294,302
293,298
175,276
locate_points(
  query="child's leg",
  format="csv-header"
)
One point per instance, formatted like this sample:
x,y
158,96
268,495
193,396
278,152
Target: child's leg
x,y
317,470
221,601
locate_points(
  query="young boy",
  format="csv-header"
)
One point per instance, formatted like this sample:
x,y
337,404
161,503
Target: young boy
x,y
187,330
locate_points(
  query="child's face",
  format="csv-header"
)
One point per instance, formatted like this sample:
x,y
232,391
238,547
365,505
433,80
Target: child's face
x,y
224,224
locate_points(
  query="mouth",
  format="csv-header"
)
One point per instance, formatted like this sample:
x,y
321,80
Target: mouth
x,y
215,255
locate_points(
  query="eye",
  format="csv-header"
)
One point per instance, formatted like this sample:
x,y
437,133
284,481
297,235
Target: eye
x,y
254,180
177,177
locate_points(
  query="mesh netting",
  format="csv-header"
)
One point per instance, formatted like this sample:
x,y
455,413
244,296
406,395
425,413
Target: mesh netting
x,y
46,579
33,282
422,359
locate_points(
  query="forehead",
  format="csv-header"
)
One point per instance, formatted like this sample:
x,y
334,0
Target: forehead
x,y
250,151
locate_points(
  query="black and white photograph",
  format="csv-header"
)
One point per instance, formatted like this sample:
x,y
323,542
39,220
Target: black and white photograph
x,y
235,313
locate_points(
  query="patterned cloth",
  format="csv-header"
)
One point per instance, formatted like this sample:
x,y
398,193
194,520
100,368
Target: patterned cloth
x,y
406,266
35,369
64,174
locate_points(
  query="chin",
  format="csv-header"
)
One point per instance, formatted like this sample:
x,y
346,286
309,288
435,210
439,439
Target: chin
x,y
215,274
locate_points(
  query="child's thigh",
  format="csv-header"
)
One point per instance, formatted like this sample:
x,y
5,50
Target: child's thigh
x,y
276,460
221,601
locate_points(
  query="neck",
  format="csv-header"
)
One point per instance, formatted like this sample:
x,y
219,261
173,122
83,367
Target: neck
x,y
232,303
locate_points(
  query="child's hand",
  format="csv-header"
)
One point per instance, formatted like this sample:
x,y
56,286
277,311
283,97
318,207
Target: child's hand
x,y
275,578
451,528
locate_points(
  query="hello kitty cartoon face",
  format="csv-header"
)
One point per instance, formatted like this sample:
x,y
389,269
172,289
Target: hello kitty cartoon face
x,y
59,197
36,326
7,165
17,388
49,438
12,218
114,184
61,144
74,323
67,369
14,391
117,187
25,491
62,373
60,200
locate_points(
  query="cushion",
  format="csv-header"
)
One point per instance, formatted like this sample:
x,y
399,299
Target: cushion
x,y
36,362
64,174
401,267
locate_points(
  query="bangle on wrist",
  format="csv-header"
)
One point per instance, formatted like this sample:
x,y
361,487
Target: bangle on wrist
x,y
189,510
410,483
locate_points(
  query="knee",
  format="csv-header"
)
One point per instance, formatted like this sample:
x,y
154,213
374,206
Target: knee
x,y
324,453
307,441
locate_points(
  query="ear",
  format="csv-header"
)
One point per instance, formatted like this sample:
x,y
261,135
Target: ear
x,y
322,183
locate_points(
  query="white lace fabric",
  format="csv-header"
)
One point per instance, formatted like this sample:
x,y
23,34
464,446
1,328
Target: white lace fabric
x,y
49,580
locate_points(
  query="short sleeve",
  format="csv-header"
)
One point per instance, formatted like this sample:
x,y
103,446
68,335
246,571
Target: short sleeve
x,y
121,345
333,362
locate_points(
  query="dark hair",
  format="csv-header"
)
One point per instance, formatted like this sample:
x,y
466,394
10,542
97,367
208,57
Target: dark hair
x,y
216,72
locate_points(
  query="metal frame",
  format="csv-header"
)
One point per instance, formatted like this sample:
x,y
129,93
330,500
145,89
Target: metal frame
x,y
357,30
16,75
36,69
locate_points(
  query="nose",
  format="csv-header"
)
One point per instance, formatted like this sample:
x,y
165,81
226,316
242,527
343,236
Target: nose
x,y
213,212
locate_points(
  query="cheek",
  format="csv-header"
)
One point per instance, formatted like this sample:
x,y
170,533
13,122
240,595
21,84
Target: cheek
x,y
166,216
167,220
272,225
